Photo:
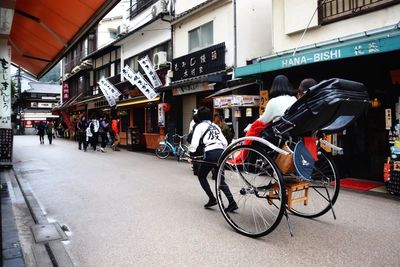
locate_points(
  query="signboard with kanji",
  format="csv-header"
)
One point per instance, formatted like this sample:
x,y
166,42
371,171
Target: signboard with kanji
x,y
208,60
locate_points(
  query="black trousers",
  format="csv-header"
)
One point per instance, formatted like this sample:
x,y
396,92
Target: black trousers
x,y
204,169
82,140
104,139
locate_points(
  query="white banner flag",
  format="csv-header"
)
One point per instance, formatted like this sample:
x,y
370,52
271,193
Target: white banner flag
x,y
5,85
138,80
108,94
151,73
110,88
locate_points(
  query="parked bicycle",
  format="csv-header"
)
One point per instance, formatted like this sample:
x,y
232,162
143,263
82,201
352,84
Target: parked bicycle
x,y
165,148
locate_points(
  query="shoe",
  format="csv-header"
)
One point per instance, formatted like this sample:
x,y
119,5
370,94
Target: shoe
x,y
210,203
117,149
79,148
84,150
231,207
102,150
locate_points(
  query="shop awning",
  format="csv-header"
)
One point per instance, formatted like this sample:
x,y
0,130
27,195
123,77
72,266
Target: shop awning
x,y
366,43
230,89
44,30
136,101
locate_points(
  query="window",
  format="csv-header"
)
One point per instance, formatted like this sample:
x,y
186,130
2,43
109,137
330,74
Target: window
x,y
201,37
334,10
136,6
113,35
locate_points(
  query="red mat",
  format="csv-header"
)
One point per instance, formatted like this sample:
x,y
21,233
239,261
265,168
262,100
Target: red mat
x,y
359,184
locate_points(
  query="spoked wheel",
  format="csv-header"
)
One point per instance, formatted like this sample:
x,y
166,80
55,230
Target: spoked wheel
x,y
257,188
162,151
323,189
183,153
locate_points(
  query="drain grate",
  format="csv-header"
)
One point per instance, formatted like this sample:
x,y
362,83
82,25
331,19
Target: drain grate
x,y
48,232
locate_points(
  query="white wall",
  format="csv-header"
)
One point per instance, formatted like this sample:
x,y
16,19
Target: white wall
x,y
157,33
284,39
103,30
254,28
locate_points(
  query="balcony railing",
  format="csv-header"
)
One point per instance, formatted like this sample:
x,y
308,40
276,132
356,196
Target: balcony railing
x,y
334,10
138,6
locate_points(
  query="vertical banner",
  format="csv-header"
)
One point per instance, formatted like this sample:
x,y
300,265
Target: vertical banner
x,y
111,90
103,84
151,73
65,91
138,80
5,85
161,114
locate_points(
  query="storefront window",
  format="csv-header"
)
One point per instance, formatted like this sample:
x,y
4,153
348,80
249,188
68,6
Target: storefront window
x,y
152,120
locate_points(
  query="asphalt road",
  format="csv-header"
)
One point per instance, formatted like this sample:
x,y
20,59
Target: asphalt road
x,y
133,209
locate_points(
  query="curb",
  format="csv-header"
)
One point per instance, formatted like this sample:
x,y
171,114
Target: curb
x,y
40,240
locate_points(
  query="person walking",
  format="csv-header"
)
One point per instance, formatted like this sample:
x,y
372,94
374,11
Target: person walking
x,y
40,131
209,135
115,130
82,125
50,131
103,130
95,126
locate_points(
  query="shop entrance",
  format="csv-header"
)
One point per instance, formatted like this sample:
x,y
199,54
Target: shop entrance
x,y
366,145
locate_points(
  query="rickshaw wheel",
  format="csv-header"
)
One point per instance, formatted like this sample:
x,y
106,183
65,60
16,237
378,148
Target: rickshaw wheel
x,y
256,186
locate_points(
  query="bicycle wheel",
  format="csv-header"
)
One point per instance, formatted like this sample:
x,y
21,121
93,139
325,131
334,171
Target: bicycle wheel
x,y
162,151
257,187
323,189
183,151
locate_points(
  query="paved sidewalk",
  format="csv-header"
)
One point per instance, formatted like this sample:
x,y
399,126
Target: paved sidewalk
x,y
11,247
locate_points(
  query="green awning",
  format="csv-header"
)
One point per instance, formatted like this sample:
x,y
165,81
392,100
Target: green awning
x,y
367,43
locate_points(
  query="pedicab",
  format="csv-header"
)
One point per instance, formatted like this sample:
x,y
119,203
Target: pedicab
x,y
265,192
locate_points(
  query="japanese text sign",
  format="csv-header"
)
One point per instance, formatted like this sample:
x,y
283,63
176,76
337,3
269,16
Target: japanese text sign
x,y
5,86
148,68
138,80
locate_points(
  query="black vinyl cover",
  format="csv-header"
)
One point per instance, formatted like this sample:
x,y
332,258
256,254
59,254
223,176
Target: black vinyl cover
x,y
330,107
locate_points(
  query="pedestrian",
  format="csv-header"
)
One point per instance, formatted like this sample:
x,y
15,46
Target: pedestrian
x,y
209,136
115,130
81,127
304,86
226,130
40,131
103,130
280,100
50,131
94,128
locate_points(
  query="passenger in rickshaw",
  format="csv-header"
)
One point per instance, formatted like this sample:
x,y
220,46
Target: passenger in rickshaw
x,y
280,100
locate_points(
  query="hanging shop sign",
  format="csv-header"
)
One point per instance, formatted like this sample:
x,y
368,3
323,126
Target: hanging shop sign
x,y
65,91
161,114
388,118
222,102
151,73
138,80
106,89
201,62
245,101
373,44
5,86
193,88
236,101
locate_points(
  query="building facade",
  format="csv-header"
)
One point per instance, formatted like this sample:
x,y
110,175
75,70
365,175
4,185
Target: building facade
x,y
355,40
